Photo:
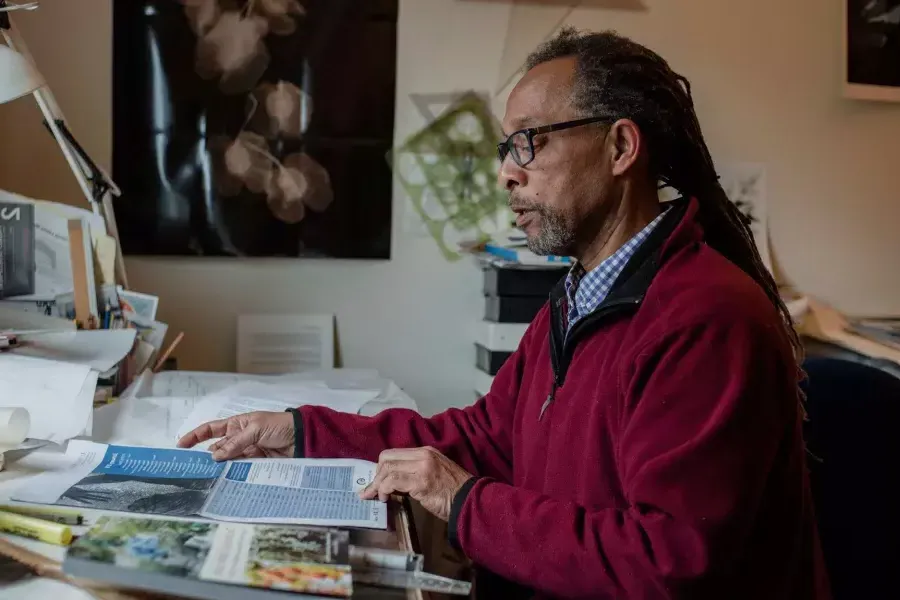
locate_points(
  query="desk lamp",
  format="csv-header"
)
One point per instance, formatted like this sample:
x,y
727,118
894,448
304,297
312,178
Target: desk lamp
x,y
19,77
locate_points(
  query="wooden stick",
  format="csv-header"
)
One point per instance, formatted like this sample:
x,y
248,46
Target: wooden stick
x,y
82,279
47,567
40,564
165,355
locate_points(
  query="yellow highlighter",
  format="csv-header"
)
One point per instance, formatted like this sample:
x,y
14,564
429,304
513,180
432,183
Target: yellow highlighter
x,y
36,529
54,515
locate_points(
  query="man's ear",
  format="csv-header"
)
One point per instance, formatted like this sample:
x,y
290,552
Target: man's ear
x,y
625,145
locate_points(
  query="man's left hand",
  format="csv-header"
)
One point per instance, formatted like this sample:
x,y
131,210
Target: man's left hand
x,y
424,473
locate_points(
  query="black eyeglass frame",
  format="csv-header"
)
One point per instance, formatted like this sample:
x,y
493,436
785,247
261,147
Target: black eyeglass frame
x,y
504,148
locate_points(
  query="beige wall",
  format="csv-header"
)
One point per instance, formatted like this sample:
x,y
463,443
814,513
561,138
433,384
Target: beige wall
x,y
766,76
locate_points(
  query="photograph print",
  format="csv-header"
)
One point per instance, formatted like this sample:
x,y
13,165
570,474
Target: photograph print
x,y
177,497
155,546
155,481
300,560
254,128
872,49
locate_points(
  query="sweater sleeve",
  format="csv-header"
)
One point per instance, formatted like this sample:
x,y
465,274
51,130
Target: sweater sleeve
x,y
706,409
478,438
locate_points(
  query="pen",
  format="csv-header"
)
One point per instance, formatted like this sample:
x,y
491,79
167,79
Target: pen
x,y
36,529
54,515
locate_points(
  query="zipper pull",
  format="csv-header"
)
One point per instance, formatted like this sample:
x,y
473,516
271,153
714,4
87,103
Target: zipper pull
x,y
548,401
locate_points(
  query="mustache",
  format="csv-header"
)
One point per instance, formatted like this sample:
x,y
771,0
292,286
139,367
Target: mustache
x,y
516,203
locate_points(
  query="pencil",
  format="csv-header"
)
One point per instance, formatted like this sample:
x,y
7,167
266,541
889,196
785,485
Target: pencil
x,y
165,355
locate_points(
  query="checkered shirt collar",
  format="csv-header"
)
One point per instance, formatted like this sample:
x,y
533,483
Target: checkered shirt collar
x,y
585,291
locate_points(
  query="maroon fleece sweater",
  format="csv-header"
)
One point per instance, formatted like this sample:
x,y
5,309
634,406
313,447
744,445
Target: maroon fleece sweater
x,y
669,461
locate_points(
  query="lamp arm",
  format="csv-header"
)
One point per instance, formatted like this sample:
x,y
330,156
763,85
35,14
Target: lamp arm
x,y
98,194
44,103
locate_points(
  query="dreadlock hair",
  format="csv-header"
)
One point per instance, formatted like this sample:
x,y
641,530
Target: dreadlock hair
x,y
621,79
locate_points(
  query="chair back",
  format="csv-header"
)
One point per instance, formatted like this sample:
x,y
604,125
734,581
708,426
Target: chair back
x,y
853,438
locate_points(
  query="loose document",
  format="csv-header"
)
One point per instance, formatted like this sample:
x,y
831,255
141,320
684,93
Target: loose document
x,y
189,483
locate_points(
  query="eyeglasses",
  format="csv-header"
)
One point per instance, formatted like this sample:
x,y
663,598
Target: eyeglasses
x,y
520,144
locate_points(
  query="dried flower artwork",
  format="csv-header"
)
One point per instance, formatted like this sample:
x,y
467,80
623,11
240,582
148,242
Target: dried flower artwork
x,y
231,47
254,128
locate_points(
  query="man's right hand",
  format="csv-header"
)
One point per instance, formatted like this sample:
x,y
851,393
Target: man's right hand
x,y
251,435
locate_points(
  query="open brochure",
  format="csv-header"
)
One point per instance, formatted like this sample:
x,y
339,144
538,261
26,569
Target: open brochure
x,y
194,559
186,483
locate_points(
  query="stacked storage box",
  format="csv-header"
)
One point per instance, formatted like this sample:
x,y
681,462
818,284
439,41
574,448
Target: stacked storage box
x,y
513,295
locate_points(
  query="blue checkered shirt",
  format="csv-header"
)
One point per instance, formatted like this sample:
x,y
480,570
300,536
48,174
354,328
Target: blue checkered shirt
x,y
585,291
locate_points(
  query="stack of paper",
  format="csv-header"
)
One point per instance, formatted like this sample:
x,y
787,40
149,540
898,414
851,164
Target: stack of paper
x,y
181,401
58,396
252,396
98,349
79,277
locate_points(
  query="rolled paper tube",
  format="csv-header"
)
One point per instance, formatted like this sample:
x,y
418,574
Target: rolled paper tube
x,y
14,425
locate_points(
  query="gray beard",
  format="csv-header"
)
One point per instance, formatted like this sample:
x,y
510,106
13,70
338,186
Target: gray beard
x,y
555,238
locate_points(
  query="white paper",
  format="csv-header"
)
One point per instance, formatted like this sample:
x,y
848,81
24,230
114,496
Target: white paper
x,y
200,383
299,393
275,344
15,317
142,421
58,396
248,397
185,483
100,349
295,490
59,473
745,185
83,409
184,383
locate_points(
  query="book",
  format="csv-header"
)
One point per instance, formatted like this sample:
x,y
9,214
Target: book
x,y
213,560
189,483
17,259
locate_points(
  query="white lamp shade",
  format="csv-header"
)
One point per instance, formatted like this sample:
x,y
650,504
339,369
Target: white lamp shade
x,y
18,77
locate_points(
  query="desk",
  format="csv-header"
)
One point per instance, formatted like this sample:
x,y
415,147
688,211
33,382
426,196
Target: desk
x,y
401,533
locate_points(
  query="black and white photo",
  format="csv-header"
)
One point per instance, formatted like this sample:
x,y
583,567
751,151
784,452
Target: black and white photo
x,y
872,49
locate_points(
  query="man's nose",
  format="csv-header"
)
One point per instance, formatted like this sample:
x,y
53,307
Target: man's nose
x,y
511,175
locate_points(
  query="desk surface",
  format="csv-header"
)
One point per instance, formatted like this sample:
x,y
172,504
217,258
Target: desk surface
x,y
400,534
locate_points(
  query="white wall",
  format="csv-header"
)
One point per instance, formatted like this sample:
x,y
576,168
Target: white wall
x,y
766,76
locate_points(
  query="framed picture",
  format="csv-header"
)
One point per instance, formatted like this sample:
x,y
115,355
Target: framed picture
x,y
872,49
244,128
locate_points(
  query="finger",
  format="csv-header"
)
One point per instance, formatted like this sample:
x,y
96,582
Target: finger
x,y
235,445
386,470
207,431
371,490
253,451
398,454
396,482
402,483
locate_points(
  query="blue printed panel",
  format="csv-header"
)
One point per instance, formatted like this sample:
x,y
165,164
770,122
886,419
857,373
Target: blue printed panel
x,y
238,471
253,501
158,462
328,478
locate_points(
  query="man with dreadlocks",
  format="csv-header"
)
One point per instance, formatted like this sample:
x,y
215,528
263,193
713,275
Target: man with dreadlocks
x,y
644,441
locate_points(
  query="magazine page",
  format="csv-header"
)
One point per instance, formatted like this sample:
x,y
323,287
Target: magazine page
x,y
297,491
185,483
280,558
283,558
133,479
